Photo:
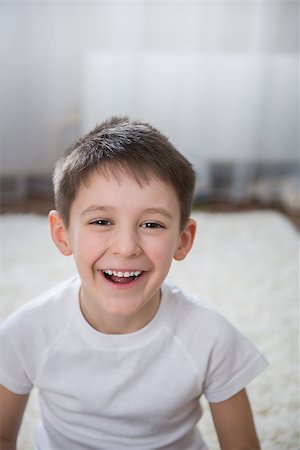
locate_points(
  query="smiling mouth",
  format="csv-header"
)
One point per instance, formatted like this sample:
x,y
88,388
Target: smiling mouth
x,y
118,277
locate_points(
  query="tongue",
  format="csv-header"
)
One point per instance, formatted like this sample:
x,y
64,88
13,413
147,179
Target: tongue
x,y
122,280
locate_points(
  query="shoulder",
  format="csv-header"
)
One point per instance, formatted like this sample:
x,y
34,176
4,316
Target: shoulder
x,y
193,312
27,334
43,312
196,320
225,359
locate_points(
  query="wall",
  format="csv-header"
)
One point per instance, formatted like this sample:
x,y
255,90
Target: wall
x,y
46,45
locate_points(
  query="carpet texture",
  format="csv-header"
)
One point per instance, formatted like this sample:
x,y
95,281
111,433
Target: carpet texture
x,y
245,264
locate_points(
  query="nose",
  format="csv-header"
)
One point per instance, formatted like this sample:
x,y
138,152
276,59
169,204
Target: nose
x,y
126,243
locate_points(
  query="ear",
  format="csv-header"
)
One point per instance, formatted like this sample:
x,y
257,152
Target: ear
x,y
59,233
186,240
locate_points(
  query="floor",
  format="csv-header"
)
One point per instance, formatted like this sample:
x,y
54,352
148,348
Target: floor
x,y
43,206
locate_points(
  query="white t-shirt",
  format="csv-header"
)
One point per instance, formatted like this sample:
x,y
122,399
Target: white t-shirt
x,y
137,391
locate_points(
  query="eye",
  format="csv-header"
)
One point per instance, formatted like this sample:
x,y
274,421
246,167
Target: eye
x,y
100,222
152,225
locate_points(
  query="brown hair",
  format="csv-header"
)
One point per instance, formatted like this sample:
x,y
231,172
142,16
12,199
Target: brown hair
x,y
126,146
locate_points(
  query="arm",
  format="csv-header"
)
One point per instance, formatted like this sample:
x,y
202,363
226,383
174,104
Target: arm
x,y
12,408
234,423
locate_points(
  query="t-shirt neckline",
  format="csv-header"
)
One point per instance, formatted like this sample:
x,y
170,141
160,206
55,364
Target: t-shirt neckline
x,y
137,338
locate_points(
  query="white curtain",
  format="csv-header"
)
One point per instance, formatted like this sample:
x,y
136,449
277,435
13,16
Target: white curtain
x,y
220,77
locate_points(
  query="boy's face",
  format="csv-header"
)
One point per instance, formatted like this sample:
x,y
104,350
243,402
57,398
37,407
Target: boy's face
x,y
123,238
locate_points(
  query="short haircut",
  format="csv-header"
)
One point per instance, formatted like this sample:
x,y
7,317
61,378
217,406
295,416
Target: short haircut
x,y
117,146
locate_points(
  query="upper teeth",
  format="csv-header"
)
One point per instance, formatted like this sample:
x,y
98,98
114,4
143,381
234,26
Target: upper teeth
x,y
122,274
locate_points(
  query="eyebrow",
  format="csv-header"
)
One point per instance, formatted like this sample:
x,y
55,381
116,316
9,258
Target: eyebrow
x,y
161,211
96,208
107,209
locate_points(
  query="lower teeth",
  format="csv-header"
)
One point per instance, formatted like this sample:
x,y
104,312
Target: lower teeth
x,y
115,279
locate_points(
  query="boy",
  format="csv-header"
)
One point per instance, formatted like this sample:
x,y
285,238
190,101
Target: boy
x,y
120,358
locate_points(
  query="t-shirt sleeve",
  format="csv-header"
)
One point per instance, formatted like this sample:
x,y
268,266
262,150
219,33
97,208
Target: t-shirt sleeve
x,y
13,370
234,362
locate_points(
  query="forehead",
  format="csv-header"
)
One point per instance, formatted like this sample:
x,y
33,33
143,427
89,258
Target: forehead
x,y
120,174
120,171
123,189
123,177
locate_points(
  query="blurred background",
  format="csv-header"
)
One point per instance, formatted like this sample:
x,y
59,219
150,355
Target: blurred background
x,y
220,77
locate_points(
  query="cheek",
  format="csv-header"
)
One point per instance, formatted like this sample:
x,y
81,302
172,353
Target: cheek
x,y
87,248
162,251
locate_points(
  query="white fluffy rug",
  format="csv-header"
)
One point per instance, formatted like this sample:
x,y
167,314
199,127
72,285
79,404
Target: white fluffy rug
x,y
246,264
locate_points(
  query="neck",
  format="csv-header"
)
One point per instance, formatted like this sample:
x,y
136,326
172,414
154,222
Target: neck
x,y
118,324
